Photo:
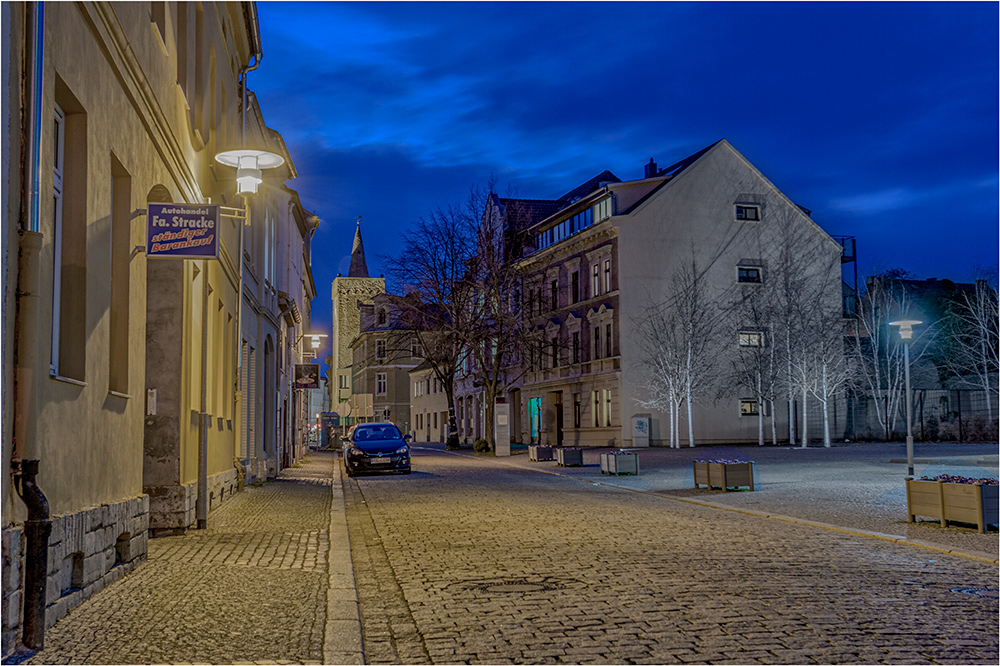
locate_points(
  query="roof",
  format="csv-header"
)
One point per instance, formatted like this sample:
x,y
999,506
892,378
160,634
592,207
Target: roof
x,y
359,267
589,186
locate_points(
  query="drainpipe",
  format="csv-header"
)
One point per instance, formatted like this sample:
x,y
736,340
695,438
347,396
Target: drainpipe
x,y
24,461
201,503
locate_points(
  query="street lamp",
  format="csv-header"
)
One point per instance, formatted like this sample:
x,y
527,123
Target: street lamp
x,y
315,340
906,333
249,164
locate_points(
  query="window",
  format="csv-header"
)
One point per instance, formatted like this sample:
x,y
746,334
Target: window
x,y
415,348
380,349
69,274
575,287
541,354
554,289
595,408
597,281
531,303
538,293
751,339
576,410
380,383
608,351
435,420
749,274
576,346
555,352
607,407
119,255
343,382
747,213
381,317
607,276
602,209
749,408
597,342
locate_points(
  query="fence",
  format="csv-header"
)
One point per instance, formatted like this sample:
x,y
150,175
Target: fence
x,y
938,415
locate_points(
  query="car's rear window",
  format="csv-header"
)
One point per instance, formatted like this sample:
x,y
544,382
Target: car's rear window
x,y
376,433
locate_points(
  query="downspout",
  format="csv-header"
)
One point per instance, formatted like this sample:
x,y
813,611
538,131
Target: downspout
x,y
25,461
201,502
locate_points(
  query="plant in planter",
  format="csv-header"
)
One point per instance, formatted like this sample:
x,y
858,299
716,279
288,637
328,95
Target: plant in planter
x,y
539,452
954,499
569,456
723,474
619,462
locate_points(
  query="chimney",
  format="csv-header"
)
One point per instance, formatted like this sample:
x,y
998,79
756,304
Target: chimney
x,y
651,168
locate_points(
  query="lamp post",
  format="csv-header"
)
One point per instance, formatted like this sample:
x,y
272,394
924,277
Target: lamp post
x,y
906,333
249,165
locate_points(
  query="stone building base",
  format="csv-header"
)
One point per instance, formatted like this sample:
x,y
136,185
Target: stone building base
x,y
87,551
172,509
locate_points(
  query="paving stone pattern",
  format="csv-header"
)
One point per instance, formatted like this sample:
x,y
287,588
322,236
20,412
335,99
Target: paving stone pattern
x,y
249,589
500,564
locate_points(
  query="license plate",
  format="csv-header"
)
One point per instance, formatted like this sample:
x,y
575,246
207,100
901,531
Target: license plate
x,y
381,461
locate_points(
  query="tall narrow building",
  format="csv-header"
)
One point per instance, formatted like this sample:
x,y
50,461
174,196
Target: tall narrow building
x,y
348,294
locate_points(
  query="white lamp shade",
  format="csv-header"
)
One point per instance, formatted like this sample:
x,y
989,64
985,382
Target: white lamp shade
x,y
249,166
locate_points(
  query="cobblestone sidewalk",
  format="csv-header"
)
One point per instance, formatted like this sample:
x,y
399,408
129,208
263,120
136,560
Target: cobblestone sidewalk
x,y
251,588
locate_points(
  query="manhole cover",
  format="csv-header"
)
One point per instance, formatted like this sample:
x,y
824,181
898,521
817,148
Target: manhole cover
x,y
513,587
985,592
519,585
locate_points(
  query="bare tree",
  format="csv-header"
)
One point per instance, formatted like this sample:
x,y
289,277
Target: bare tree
x,y
679,339
432,271
877,350
971,340
755,369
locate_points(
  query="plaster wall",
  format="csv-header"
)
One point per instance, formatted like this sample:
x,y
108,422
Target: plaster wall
x,y
696,210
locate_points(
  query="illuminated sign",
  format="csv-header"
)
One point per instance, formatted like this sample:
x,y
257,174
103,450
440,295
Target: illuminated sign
x,y
182,231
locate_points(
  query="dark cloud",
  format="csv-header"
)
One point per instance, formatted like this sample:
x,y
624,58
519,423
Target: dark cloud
x,y
880,117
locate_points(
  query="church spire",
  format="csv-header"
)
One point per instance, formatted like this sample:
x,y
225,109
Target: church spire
x,y
359,267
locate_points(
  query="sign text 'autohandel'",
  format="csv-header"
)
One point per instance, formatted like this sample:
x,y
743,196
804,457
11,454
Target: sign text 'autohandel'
x,y
182,231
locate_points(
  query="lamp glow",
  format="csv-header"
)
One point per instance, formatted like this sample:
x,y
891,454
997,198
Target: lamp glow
x,y
905,327
250,165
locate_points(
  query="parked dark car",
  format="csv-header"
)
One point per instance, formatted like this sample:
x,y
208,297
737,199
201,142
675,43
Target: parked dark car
x,y
376,447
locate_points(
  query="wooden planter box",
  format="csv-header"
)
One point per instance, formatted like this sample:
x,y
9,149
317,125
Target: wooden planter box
x,y
723,475
971,503
619,463
569,457
538,453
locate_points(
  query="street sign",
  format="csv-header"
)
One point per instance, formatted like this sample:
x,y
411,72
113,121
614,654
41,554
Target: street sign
x,y
182,231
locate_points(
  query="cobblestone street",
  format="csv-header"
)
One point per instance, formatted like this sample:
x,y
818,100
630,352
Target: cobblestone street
x,y
499,564
478,560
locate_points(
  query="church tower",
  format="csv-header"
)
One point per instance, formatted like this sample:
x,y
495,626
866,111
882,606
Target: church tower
x,y
348,293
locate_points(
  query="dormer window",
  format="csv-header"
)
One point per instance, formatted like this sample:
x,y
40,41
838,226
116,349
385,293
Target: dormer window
x,y
381,317
749,274
747,213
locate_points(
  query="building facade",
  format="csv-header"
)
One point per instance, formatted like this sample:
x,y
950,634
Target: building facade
x,y
608,256
428,405
349,293
384,353
119,370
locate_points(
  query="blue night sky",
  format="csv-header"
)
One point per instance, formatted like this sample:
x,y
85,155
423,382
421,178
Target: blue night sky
x,y
882,118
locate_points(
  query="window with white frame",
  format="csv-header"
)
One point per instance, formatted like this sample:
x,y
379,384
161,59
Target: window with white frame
x,y
414,347
607,407
749,408
380,383
749,274
597,281
380,349
751,338
595,408
607,276
747,213
602,210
